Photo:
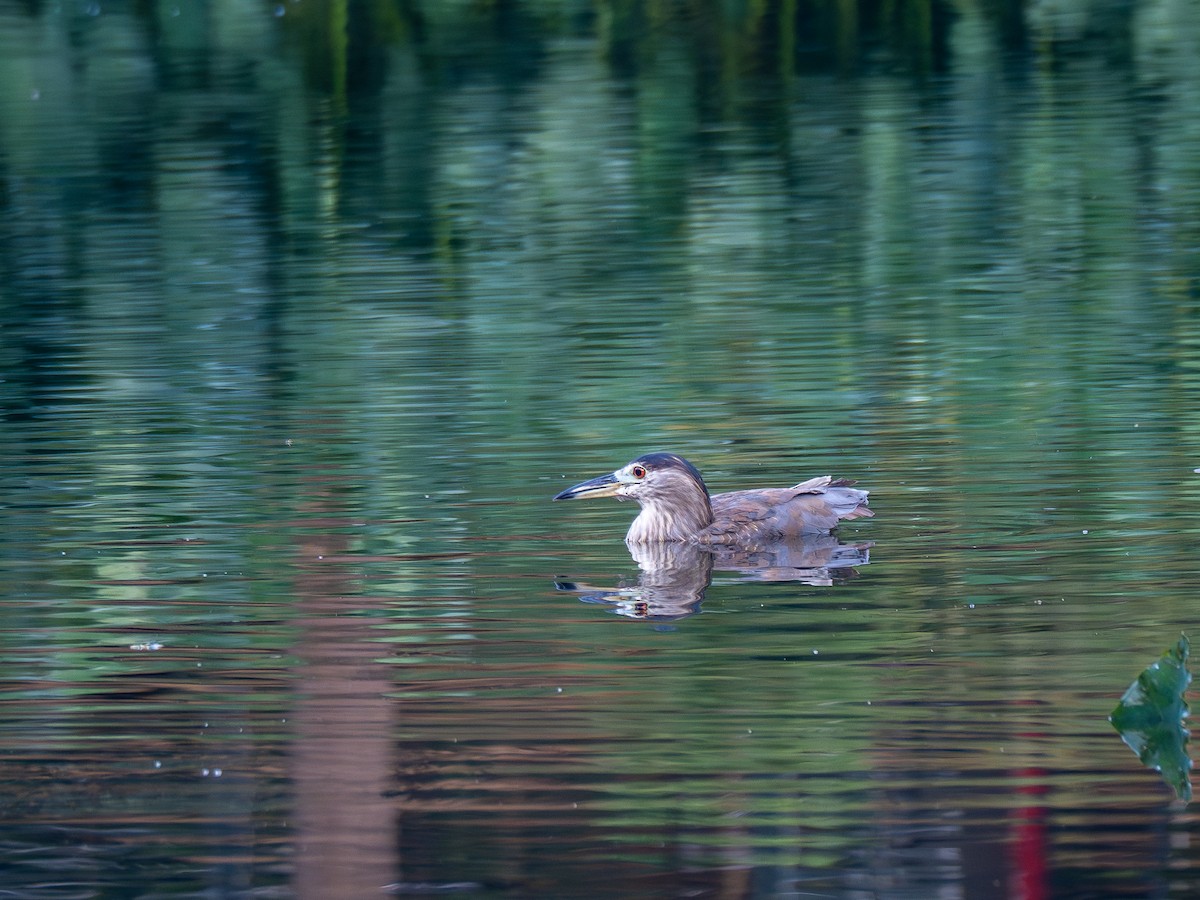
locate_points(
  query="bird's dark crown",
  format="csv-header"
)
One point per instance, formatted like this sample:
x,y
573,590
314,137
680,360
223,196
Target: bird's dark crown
x,y
653,461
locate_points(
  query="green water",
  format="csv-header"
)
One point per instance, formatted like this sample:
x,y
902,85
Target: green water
x,y
299,337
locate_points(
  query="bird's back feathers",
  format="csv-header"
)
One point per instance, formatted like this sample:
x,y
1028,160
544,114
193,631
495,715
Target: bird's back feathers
x,y
811,507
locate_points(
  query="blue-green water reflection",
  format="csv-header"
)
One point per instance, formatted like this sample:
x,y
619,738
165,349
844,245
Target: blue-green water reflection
x,y
299,337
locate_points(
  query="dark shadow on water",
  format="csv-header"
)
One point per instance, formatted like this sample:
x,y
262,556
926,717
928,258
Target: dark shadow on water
x,y
673,578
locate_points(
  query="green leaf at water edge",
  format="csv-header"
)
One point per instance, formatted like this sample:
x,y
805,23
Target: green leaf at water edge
x,y
1150,718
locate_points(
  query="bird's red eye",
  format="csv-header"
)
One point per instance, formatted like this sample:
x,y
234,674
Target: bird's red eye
x,y
638,472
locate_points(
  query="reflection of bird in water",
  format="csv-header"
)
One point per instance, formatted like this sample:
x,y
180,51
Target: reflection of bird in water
x,y
670,584
676,505
674,577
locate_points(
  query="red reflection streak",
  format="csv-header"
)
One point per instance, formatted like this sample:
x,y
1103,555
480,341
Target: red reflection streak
x,y
1029,845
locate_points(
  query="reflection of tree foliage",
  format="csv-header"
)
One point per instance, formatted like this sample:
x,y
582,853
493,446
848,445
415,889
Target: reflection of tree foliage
x,y
344,44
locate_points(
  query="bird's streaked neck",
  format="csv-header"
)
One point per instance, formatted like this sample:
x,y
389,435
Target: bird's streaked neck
x,y
681,519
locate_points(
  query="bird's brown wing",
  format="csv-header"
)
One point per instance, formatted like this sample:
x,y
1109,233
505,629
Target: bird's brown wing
x,y
812,507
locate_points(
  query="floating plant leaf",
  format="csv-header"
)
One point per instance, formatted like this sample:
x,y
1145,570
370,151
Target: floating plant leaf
x,y
1150,718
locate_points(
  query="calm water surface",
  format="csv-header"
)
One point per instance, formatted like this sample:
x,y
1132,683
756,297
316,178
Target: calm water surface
x,y
289,377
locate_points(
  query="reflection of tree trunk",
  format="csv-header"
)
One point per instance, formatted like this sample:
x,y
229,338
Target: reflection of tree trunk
x,y
342,756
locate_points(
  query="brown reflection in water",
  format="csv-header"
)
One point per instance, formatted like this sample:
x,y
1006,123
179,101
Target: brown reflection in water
x,y
342,754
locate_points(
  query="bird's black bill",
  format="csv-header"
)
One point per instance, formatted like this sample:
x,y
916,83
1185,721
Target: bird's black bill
x,y
604,486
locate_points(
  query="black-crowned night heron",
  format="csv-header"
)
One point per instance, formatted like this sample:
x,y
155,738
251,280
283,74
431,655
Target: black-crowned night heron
x,y
676,505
